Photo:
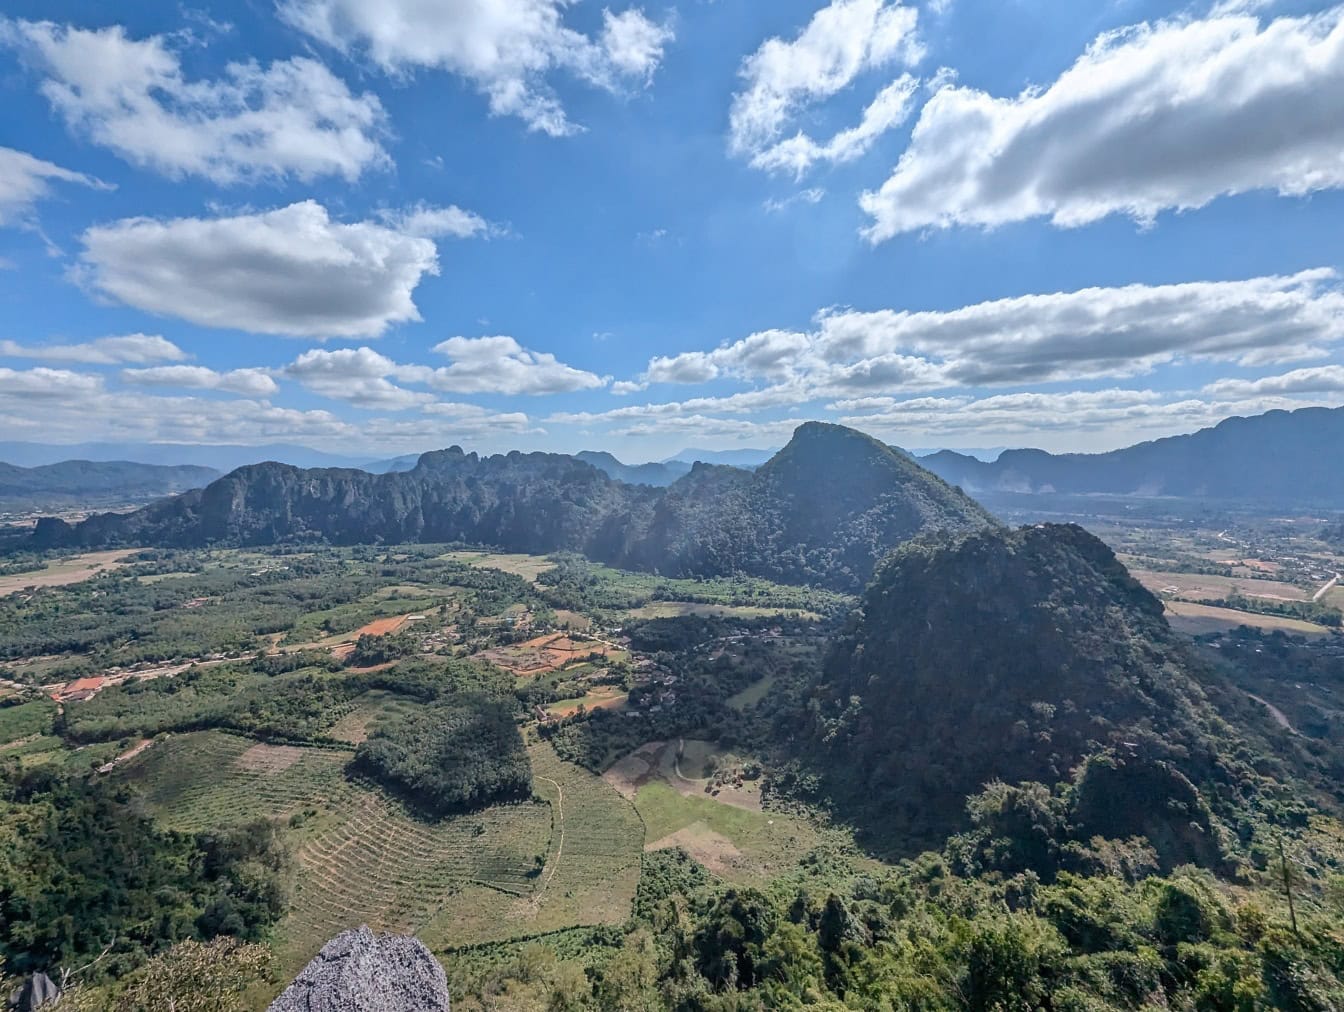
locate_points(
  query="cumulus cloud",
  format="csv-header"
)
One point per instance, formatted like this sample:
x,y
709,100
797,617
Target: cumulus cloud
x,y
501,365
1089,334
782,79
506,48
357,376
798,153
248,382
46,383
1159,116
497,365
291,118
292,271
127,349
1322,379
24,180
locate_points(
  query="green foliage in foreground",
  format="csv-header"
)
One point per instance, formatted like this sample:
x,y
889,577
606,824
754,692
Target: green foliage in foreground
x,y
82,872
921,937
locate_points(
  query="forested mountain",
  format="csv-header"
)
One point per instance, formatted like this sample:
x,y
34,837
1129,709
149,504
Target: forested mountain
x,y
1276,457
1014,656
825,509
660,474
84,481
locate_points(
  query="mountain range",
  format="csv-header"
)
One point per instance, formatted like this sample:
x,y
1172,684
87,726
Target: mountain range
x,y
1278,457
84,483
823,510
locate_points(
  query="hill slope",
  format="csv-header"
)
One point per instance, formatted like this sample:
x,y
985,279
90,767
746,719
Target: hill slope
x,y
90,481
1275,457
1011,655
825,509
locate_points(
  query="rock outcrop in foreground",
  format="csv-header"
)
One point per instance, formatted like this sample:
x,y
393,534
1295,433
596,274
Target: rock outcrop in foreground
x,y
358,971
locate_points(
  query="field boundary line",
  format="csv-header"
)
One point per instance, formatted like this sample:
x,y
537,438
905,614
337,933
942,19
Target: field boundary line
x,y
560,814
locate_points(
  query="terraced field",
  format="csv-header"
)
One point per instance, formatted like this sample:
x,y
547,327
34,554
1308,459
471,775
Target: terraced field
x,y
374,864
571,857
209,779
592,866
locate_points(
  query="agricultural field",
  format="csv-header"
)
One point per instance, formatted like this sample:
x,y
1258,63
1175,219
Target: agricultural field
x,y
70,569
529,567
677,609
1201,619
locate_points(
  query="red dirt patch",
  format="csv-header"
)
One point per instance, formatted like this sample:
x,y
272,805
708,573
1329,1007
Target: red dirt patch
x,y
544,654
381,626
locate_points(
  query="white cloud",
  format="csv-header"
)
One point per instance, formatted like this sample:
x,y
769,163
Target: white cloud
x,y
291,271
859,361
24,180
247,382
127,349
812,195
798,153
1322,379
357,376
291,118
43,383
1099,332
501,365
506,48
432,222
782,79
1119,416
1164,116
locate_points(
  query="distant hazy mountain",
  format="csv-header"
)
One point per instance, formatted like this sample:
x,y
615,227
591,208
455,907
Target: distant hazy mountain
x,y
1276,457
733,458
825,509
221,458
405,462
658,474
83,482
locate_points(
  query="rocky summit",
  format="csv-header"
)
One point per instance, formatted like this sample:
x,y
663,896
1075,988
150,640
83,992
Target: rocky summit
x,y
358,971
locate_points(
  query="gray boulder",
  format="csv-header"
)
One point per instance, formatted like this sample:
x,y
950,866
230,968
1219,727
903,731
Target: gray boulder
x,y
38,991
358,971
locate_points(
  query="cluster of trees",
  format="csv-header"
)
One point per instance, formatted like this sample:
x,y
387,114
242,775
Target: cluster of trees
x,y
1307,611
925,937
457,753
84,877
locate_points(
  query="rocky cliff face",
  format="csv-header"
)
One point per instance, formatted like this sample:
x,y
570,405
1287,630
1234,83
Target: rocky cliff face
x,y
824,510
358,971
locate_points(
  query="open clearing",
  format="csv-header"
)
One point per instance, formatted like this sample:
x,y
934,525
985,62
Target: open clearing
x,y
688,774
752,694
545,654
529,567
1215,588
1196,619
60,572
370,710
603,697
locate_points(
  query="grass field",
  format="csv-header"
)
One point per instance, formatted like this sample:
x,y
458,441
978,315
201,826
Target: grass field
x,y
59,572
734,843
1214,588
1196,619
752,694
370,709
529,567
26,720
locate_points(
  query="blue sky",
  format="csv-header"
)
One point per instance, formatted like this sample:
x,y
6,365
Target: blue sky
x,y
534,224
